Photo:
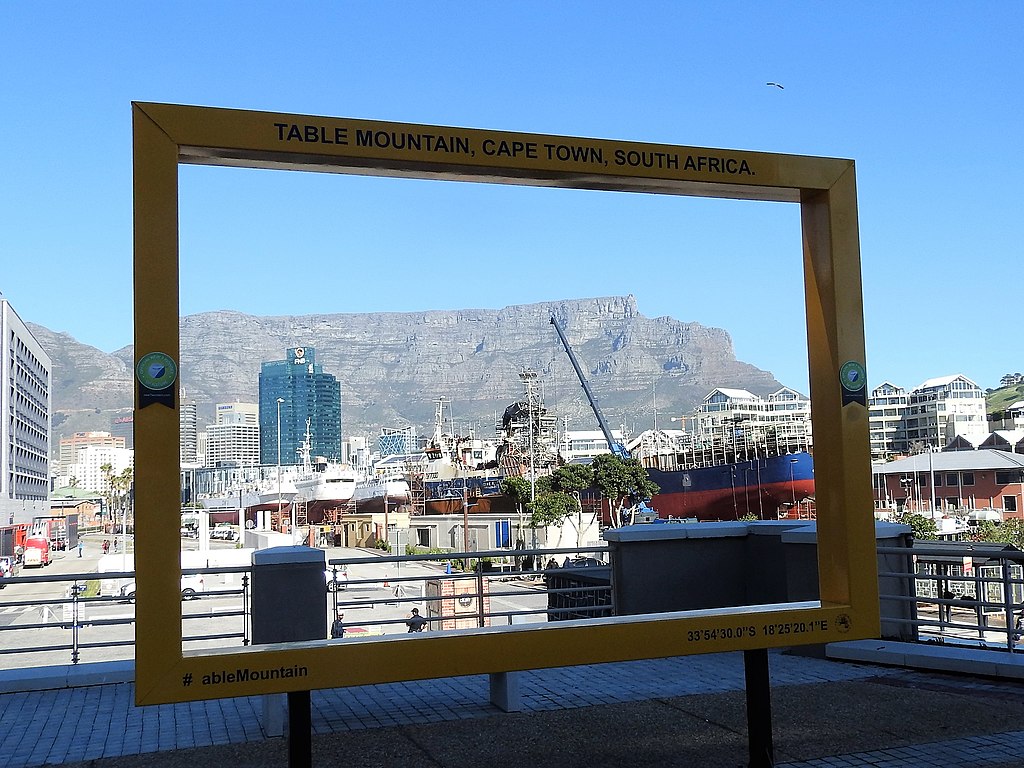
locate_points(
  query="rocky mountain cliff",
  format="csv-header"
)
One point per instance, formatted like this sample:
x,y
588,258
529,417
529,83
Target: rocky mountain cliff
x,y
393,366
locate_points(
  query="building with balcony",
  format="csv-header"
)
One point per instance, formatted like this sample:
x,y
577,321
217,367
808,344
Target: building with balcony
x,y
940,412
887,412
585,444
736,417
944,408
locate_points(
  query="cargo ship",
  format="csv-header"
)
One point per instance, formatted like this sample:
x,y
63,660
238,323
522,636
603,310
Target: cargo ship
x,y
765,487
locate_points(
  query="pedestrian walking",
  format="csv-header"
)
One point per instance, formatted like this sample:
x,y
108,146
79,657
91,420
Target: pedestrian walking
x,y
81,546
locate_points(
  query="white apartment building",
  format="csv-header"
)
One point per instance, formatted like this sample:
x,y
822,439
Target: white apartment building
x,y
585,444
234,437
887,412
188,446
944,408
933,414
69,445
736,416
86,471
25,402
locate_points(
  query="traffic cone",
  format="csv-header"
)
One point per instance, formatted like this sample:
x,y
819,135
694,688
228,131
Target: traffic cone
x,y
386,580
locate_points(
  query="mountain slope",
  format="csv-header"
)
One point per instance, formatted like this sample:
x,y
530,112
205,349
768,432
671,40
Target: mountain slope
x,y
393,366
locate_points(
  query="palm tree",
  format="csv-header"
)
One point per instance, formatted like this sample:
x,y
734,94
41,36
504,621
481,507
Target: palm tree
x,y
108,490
124,485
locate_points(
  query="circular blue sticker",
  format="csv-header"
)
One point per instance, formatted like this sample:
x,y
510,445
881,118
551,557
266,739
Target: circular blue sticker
x,y
853,376
156,371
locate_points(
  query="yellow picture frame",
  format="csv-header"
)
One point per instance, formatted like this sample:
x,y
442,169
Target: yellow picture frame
x,y
166,135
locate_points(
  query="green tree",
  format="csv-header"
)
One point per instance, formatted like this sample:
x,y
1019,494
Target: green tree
x,y
108,486
552,508
618,480
921,526
572,478
1007,532
123,484
518,489
544,484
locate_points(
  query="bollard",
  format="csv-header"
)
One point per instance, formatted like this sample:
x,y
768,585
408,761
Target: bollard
x,y
289,603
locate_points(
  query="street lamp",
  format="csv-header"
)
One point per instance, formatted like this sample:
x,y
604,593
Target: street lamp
x,y
279,401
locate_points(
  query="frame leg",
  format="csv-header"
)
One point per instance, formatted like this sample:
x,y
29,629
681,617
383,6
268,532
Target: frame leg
x,y
759,709
300,730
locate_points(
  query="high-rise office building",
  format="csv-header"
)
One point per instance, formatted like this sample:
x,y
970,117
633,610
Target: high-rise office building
x,y
234,440
305,393
124,427
188,452
69,445
25,402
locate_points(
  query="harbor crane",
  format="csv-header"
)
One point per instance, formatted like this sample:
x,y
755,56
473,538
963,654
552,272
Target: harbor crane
x,y
616,447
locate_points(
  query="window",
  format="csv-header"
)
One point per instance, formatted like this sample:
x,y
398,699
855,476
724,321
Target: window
x,y
938,480
1003,478
1009,503
951,479
967,478
952,502
423,537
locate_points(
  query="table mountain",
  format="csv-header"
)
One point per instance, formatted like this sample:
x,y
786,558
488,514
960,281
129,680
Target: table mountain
x,y
393,366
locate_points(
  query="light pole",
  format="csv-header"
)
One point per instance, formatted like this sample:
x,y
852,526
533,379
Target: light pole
x,y
279,401
792,482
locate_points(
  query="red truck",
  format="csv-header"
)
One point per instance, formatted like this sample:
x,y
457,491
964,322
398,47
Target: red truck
x,y
37,552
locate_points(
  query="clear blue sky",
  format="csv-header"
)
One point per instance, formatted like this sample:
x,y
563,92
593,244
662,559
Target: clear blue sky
x,y
925,97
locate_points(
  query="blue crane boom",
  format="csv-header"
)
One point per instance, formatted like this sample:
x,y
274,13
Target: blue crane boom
x,y
616,447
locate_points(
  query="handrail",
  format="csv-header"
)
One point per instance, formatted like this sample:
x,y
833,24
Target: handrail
x,y
936,602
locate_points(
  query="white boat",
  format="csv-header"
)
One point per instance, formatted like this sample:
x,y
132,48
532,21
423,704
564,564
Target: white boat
x,y
323,483
370,494
328,483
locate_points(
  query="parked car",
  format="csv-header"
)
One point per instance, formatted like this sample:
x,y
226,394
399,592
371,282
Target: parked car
x,y
224,533
192,585
336,579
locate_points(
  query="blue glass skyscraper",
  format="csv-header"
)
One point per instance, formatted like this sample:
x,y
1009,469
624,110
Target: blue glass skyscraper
x,y
306,392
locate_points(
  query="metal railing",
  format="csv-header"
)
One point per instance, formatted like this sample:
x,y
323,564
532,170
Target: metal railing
x,y
457,590
89,620
90,614
965,595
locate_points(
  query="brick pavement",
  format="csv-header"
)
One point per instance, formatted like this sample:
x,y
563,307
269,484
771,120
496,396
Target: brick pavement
x,y
659,712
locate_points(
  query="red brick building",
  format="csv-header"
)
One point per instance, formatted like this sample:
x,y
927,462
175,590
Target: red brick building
x,y
952,481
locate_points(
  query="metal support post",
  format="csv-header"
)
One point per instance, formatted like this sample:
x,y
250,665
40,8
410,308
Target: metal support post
x,y
300,730
759,708
481,618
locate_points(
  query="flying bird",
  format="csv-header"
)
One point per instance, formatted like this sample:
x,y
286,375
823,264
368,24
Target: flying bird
x,y
776,85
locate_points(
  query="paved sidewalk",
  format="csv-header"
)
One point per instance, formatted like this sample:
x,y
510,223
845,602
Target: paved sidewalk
x,y
670,712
